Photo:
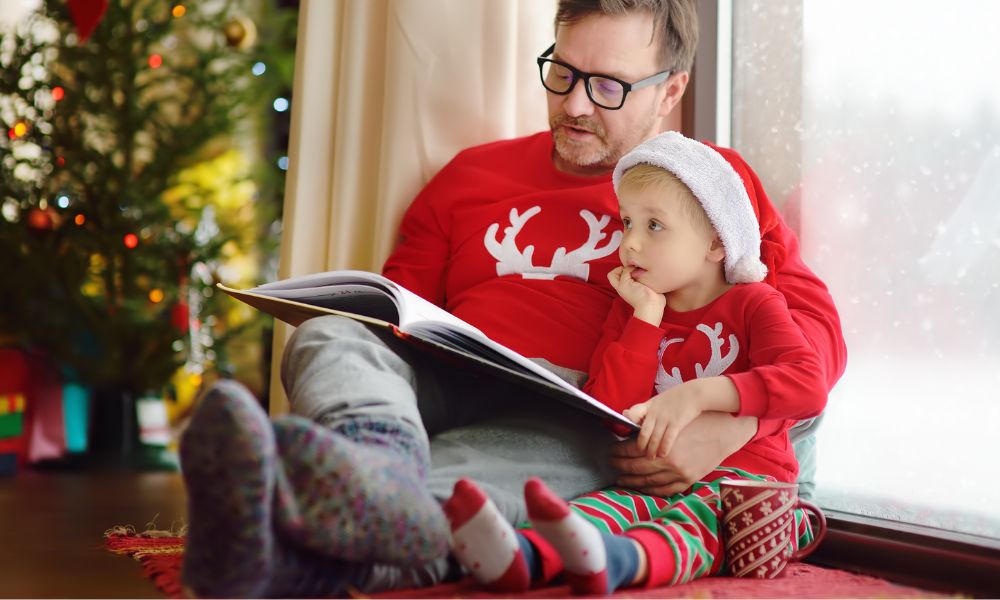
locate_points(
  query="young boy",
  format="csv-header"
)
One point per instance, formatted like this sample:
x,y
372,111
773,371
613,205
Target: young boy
x,y
695,326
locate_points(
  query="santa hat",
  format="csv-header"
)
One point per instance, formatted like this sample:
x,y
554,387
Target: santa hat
x,y
727,189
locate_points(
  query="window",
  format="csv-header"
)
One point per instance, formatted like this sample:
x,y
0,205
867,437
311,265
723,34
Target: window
x,y
875,127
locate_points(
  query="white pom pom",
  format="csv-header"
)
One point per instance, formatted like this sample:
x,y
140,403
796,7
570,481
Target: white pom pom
x,y
748,269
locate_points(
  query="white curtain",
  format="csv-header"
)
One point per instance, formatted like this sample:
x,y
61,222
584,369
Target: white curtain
x,y
386,92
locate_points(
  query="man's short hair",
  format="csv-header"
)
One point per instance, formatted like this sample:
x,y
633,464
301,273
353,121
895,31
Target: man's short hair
x,y
675,24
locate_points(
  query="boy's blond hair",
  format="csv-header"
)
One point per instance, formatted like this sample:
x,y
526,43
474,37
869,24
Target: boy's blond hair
x,y
643,176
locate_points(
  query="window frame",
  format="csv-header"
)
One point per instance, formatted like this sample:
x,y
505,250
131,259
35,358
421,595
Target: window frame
x,y
916,555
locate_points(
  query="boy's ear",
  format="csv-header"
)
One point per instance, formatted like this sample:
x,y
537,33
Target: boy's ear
x,y
716,252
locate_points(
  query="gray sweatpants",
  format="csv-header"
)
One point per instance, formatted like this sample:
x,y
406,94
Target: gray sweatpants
x,y
477,426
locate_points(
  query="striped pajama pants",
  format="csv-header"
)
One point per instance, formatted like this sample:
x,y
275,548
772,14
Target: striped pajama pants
x,y
681,533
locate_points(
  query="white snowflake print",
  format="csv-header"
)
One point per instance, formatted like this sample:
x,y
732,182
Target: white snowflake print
x,y
747,518
765,507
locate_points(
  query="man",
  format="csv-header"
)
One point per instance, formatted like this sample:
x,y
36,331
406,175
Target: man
x,y
516,237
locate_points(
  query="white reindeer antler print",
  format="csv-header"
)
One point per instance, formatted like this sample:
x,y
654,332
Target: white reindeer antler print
x,y
664,380
717,364
510,260
575,263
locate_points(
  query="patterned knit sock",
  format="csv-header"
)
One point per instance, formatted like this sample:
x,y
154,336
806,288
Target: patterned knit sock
x,y
484,542
595,564
228,460
357,499
301,573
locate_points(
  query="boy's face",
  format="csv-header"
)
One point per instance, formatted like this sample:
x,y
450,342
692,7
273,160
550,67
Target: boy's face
x,y
589,140
663,244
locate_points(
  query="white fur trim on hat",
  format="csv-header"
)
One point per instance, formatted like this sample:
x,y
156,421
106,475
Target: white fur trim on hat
x,y
718,187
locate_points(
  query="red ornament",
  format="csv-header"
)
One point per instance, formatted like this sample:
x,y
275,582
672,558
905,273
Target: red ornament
x,y
155,61
179,317
130,240
41,220
86,15
58,93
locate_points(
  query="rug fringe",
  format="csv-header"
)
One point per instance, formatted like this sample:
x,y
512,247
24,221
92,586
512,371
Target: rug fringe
x,y
178,529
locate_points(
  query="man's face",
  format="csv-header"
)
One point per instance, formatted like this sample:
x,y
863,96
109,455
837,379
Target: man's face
x,y
589,140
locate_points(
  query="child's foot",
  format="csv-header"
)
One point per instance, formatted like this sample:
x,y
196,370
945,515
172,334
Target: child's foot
x,y
359,502
484,542
595,564
228,460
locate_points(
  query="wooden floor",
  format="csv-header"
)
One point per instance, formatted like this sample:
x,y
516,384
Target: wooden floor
x,y
51,527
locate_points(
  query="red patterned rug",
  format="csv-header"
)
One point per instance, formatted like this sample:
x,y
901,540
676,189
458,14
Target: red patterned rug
x,y
159,553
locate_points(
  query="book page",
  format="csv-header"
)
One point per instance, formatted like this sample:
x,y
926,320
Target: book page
x,y
328,278
294,312
356,291
416,309
361,299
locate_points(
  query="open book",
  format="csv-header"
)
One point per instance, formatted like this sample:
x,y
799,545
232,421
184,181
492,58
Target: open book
x,y
373,299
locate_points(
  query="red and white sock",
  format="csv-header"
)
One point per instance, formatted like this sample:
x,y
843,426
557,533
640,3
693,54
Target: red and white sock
x,y
578,543
484,542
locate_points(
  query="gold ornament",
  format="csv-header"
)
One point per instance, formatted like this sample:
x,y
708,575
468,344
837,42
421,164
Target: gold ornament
x,y
240,32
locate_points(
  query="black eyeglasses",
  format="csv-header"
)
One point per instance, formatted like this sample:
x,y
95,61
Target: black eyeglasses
x,y
603,90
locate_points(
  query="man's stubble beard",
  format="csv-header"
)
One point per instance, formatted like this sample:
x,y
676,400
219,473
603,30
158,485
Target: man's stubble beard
x,y
605,154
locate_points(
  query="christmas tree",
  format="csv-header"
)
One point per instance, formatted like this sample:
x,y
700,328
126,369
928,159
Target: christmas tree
x,y
122,192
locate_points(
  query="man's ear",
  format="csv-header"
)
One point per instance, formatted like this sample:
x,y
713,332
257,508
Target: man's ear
x,y
675,85
716,252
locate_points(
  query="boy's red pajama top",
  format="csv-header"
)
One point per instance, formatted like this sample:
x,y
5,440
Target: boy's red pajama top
x,y
748,335
503,240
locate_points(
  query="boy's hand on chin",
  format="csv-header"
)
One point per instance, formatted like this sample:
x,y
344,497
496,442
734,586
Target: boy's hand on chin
x,y
648,304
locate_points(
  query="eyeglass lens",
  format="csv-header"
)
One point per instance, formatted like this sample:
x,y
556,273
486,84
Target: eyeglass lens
x,y
603,91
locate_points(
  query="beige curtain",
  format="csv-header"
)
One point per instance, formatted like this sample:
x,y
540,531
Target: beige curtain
x,y
386,92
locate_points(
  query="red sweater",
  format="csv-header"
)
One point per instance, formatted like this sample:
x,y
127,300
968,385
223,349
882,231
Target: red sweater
x,y
548,293
757,345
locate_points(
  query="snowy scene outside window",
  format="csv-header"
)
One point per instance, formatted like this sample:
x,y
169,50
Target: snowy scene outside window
x,y
875,127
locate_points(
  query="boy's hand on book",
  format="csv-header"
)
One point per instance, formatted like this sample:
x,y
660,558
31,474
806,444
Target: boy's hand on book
x,y
648,304
662,418
700,448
